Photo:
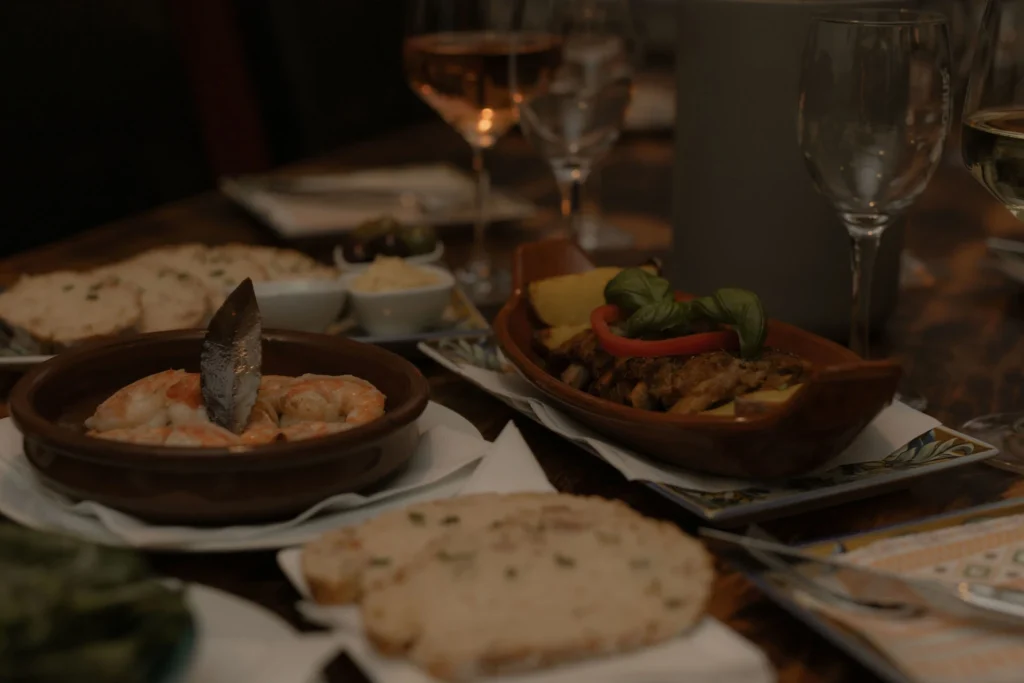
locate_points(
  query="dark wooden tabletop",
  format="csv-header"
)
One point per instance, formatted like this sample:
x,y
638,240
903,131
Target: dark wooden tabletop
x,y
962,341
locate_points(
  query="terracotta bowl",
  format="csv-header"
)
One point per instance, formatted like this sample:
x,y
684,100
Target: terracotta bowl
x,y
211,485
842,396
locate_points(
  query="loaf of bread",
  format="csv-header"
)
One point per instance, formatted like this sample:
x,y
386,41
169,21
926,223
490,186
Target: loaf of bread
x,y
167,288
171,299
570,578
342,564
280,264
65,307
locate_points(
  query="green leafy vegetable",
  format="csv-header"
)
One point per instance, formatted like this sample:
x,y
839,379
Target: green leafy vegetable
x,y
634,288
71,610
664,316
743,310
648,302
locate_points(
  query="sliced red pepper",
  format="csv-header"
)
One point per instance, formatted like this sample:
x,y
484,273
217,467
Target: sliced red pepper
x,y
624,347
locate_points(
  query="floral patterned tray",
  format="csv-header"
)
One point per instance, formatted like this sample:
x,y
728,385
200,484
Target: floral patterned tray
x,y
854,643
939,449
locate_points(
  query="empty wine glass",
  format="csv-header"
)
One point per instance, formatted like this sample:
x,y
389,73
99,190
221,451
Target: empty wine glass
x,y
457,60
574,117
874,111
993,149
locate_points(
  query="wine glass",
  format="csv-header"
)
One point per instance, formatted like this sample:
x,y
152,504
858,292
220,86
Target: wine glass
x,y
993,149
874,111
574,117
456,57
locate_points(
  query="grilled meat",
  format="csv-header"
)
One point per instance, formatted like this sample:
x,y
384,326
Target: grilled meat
x,y
678,384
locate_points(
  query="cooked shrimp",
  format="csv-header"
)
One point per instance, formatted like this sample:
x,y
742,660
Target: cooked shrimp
x,y
312,430
263,424
193,435
141,403
323,398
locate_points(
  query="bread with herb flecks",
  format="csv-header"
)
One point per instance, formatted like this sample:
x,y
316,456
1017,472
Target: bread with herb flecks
x,y
572,579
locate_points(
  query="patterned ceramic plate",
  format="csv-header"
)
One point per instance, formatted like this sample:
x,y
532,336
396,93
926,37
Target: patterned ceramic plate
x,y
939,449
853,643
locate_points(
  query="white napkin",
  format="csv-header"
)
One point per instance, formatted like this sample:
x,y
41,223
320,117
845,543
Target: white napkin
x,y
893,428
434,193
239,641
438,468
711,653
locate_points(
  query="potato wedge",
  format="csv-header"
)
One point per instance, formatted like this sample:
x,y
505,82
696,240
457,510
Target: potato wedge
x,y
569,299
755,403
553,337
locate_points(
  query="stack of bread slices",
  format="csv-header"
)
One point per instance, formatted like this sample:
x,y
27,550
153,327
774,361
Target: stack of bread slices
x,y
168,288
500,583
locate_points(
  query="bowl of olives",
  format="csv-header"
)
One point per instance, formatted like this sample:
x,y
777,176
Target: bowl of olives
x,y
417,244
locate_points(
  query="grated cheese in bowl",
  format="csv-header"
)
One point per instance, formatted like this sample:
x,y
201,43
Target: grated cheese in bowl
x,y
391,273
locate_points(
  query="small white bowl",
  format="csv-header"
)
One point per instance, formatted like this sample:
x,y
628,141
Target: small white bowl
x,y
420,260
401,312
304,305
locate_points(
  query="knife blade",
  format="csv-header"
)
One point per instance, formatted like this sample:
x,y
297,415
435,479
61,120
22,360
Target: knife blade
x,y
963,600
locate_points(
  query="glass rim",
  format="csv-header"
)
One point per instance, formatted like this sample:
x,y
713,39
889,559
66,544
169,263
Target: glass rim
x,y
881,17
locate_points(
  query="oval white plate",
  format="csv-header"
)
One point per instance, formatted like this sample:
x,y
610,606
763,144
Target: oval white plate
x,y
25,500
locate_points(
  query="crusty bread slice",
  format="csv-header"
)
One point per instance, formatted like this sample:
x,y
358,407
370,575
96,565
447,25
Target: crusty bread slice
x,y
342,564
219,271
171,299
64,307
544,586
281,264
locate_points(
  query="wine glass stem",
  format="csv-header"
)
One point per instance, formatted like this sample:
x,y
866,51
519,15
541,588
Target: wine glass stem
x,y
865,236
479,259
570,183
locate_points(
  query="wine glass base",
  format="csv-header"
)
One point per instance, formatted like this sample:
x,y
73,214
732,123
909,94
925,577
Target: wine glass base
x,y
487,287
595,233
1005,431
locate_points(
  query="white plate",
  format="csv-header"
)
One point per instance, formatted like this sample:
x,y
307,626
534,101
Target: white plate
x,y
1009,257
22,362
228,628
334,203
36,507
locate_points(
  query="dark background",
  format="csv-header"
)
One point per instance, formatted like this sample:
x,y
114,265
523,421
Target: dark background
x,y
113,106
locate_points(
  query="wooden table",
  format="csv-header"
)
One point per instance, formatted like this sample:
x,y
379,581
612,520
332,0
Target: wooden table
x,y
962,340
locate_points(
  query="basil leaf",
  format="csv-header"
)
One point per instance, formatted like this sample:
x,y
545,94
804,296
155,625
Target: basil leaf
x,y
664,316
634,288
743,310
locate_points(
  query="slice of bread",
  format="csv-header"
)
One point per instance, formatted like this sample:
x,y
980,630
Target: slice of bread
x,y
217,270
576,578
171,299
281,264
65,307
342,564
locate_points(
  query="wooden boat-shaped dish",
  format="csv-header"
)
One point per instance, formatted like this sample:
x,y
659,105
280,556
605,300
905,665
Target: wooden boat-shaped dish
x,y
843,394
242,484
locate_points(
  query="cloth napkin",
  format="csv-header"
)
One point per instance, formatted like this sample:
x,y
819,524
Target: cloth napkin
x,y
443,459
892,429
235,641
937,648
435,193
710,653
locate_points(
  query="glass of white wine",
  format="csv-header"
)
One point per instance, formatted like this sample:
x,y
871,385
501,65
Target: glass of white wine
x,y
574,117
457,55
993,149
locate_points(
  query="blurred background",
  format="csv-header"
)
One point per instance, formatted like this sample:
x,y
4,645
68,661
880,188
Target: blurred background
x,y
122,105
